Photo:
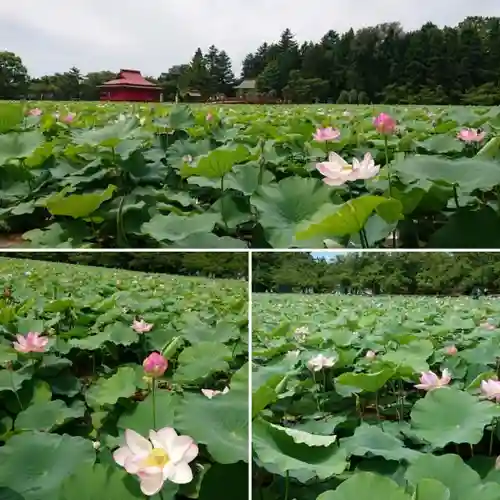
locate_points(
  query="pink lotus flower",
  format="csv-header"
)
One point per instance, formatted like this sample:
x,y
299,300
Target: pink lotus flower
x,y
491,389
210,117
430,381
209,393
35,112
326,134
69,118
385,124
488,326
370,355
33,342
337,171
451,350
155,365
471,135
141,326
164,457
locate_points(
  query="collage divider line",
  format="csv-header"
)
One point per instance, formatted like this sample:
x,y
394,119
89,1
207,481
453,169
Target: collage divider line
x,y
250,330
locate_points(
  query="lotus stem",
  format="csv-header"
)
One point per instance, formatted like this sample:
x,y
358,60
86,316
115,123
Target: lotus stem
x,y
455,195
287,485
236,344
315,393
386,147
262,163
363,238
222,202
493,431
401,399
389,176
15,392
376,406
153,395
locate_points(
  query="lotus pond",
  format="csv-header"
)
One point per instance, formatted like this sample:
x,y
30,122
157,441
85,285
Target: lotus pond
x,y
342,409
236,177
77,394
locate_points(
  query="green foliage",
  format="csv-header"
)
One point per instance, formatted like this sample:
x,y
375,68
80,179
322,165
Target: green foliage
x,y
13,76
64,411
381,273
361,429
166,177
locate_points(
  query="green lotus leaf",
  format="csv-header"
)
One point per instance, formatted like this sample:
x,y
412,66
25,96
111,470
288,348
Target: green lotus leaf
x,y
35,464
48,415
373,441
107,391
449,415
220,423
366,486
279,453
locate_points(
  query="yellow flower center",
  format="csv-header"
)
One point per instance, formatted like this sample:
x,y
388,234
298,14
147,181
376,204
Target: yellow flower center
x,y
157,458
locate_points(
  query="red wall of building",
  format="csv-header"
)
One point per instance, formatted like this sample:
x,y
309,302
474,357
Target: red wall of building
x,y
126,94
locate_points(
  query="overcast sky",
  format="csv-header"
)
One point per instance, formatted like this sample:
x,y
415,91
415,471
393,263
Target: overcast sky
x,y
153,35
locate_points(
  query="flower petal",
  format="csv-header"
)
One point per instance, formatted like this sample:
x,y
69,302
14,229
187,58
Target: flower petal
x,y
151,484
133,463
164,438
21,339
138,445
180,473
191,453
368,158
208,393
338,160
179,447
424,387
334,182
19,348
121,455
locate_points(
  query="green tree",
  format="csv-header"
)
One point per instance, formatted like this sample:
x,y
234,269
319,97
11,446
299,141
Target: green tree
x,y
198,77
13,76
89,87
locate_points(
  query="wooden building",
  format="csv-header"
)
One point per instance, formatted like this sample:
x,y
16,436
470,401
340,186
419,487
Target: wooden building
x,y
247,89
131,86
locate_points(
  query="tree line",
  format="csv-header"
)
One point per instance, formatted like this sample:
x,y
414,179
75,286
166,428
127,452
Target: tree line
x,y
379,64
211,265
210,74
435,273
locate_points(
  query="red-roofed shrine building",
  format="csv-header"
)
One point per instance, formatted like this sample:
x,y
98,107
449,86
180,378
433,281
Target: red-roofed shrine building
x,y
130,85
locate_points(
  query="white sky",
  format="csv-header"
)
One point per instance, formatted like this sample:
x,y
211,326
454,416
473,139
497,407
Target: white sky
x,y
153,35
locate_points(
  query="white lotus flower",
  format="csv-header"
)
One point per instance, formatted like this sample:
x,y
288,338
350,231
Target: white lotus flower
x,y
301,333
209,393
366,168
320,361
165,457
337,171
